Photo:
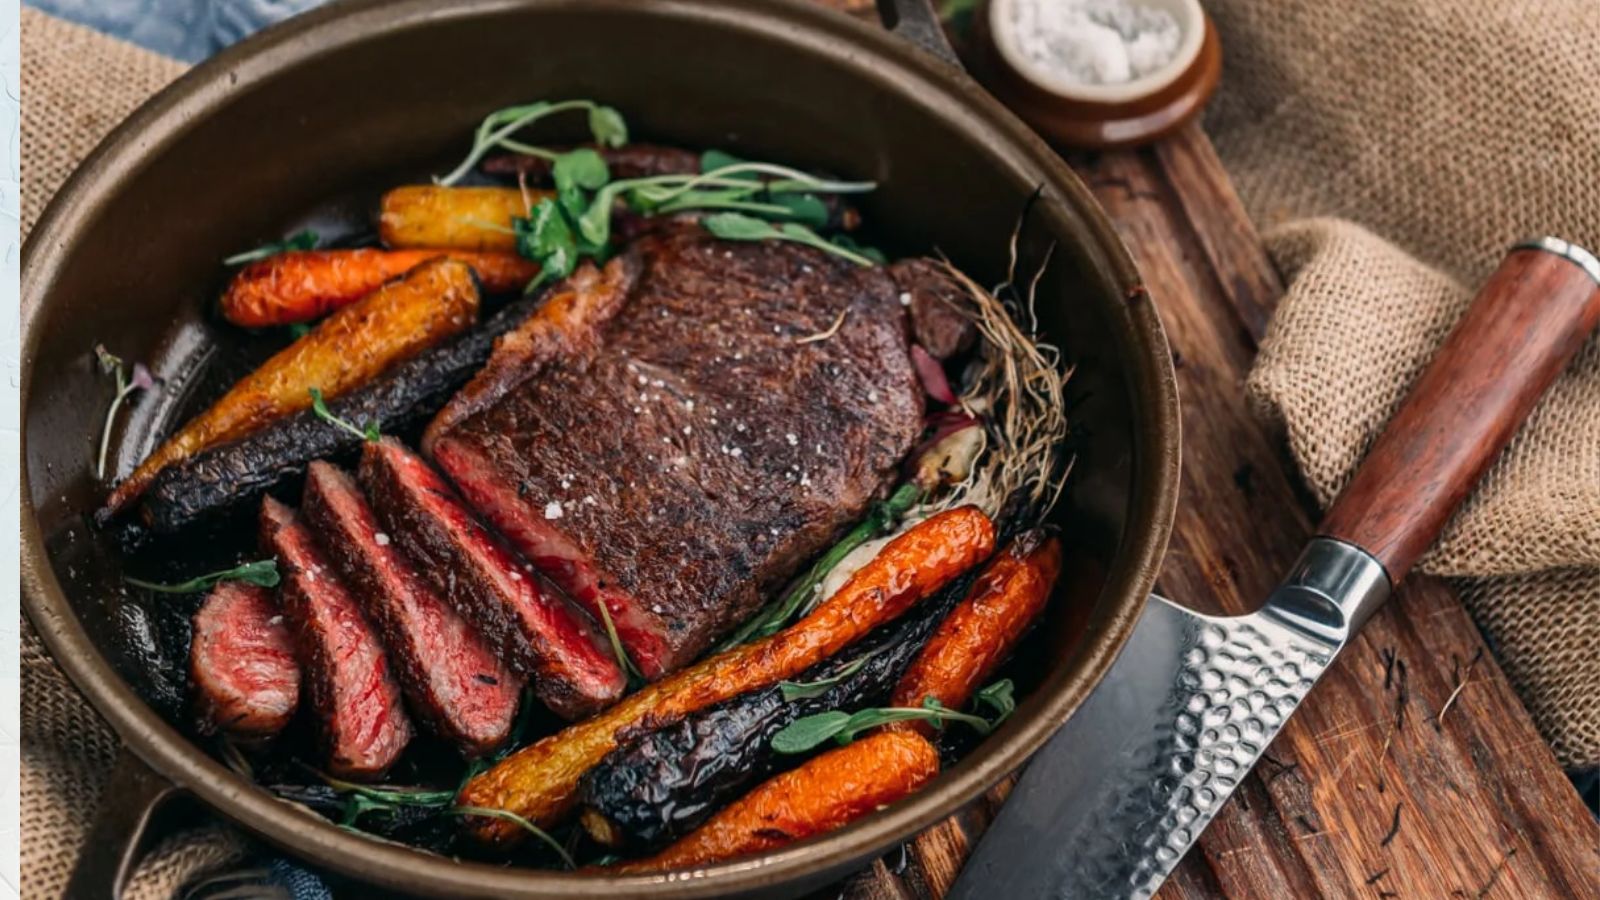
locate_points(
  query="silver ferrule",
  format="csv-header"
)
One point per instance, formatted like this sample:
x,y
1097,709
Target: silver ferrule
x,y
1331,590
1567,250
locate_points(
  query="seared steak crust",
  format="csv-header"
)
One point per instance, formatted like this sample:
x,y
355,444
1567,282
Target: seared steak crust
x,y
535,630
451,676
348,680
748,402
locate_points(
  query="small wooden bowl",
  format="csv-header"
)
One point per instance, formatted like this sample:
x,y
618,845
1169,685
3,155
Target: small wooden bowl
x,y
1101,116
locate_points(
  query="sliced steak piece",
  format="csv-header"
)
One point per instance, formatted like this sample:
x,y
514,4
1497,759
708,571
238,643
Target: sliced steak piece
x,y
241,660
450,674
936,302
746,405
536,631
348,682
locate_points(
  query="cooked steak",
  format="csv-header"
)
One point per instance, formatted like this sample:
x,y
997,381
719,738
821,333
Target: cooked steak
x,y
246,680
536,631
454,681
746,404
347,676
935,301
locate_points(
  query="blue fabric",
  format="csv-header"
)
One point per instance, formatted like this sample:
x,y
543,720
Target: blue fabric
x,y
190,30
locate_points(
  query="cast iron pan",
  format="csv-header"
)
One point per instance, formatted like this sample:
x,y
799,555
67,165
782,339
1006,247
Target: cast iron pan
x,y
367,93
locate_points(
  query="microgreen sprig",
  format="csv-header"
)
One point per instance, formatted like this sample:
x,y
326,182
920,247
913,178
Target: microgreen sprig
x,y
319,406
139,380
806,734
261,573
301,240
733,226
635,677
605,124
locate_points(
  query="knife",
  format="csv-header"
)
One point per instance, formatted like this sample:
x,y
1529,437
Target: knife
x,y
1117,796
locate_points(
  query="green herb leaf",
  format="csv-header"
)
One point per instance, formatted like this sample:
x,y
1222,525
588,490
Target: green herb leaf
x,y
805,733
998,697
804,690
299,330
575,172
712,160
807,209
369,433
623,659
850,244
262,573
734,226
607,126
300,240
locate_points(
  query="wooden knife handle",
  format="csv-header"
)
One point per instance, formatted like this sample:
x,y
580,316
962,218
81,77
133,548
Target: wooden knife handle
x,y
1525,325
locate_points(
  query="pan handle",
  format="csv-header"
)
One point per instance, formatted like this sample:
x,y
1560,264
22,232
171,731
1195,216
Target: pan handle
x,y
918,22
130,799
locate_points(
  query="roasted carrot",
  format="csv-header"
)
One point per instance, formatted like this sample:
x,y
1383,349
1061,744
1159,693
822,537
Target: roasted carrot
x,y
978,634
300,286
827,792
454,218
348,348
540,782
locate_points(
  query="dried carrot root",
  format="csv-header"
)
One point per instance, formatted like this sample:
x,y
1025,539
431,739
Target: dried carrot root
x,y
540,782
825,793
350,347
454,218
978,634
300,286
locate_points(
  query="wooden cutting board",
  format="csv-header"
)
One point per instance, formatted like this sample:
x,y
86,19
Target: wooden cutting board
x,y
1412,770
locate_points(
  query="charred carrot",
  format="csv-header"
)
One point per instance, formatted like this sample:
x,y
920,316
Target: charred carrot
x,y
350,347
300,286
978,634
827,792
540,782
454,218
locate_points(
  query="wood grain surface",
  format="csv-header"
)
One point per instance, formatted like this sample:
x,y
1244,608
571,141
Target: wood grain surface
x,y
1412,770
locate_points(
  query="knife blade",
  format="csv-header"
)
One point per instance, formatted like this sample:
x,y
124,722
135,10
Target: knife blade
x,y
1113,801
1190,704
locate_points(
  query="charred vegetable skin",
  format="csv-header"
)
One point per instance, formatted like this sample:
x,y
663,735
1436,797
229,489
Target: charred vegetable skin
x,y
663,784
300,286
348,349
235,474
827,792
540,782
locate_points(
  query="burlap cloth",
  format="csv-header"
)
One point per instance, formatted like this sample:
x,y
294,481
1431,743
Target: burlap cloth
x,y
1449,127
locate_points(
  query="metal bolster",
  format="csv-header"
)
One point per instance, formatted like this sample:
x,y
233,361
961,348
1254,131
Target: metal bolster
x,y
1567,250
1331,590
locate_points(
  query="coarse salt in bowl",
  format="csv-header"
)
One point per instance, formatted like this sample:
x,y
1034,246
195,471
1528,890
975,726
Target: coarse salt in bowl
x,y
1103,51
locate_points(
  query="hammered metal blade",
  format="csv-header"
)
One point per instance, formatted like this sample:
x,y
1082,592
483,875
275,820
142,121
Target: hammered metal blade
x,y
1112,802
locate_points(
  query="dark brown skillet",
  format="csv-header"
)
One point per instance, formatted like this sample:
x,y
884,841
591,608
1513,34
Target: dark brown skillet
x,y
368,92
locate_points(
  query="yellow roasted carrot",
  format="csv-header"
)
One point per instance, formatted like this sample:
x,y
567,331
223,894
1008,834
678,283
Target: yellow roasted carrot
x,y
540,782
454,218
436,300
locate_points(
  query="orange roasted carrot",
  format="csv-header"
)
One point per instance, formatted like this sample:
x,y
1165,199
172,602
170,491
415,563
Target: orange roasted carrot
x,y
350,347
303,285
826,792
978,634
454,218
540,782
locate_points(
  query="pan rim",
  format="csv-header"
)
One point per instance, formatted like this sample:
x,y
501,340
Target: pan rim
x,y
342,25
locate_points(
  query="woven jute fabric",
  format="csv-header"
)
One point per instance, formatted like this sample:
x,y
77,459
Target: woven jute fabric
x,y
1448,129
77,84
